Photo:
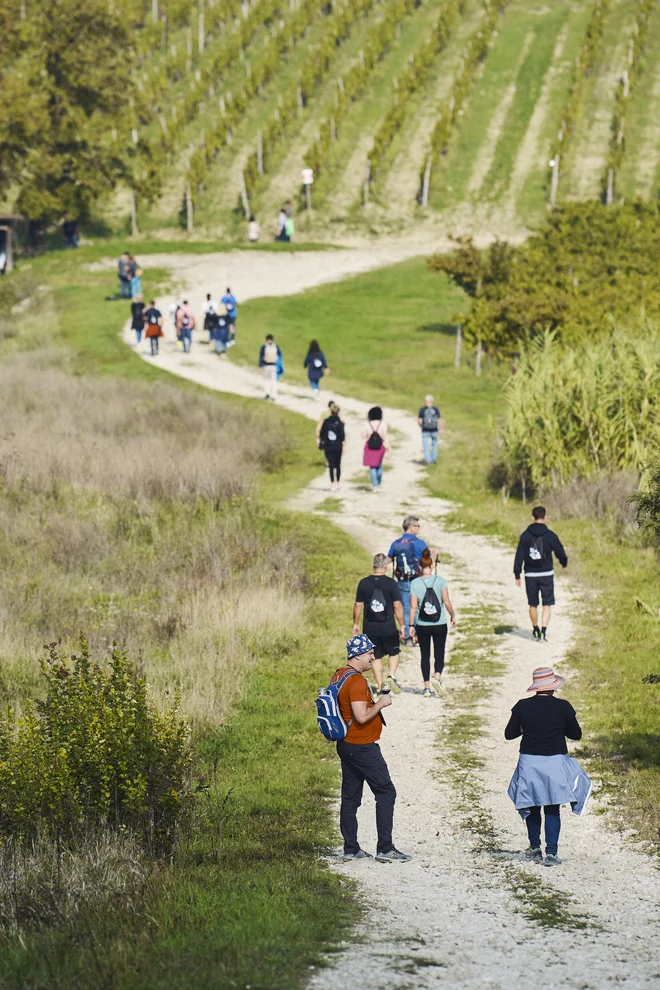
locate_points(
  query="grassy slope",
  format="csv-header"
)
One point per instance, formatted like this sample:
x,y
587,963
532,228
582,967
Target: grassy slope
x,y
639,171
263,913
386,339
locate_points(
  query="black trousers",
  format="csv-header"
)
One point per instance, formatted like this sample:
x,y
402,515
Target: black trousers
x,y
333,457
360,762
438,634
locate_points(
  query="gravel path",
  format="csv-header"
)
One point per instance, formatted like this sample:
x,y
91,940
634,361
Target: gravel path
x,y
467,912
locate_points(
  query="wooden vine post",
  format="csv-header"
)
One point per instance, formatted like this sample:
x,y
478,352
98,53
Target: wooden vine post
x,y
134,223
459,344
554,182
427,181
200,27
189,209
609,192
154,11
477,363
244,197
260,153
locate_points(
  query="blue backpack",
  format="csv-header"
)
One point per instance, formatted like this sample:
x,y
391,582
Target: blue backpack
x,y
406,565
329,716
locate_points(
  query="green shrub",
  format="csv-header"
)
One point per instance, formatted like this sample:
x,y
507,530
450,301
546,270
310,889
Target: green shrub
x,y
647,503
94,753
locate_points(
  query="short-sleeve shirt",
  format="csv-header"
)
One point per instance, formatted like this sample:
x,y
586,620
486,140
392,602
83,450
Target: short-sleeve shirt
x,y
391,594
356,688
418,546
230,302
429,416
419,587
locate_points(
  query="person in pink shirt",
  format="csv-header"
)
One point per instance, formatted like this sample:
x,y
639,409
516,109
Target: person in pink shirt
x,y
185,324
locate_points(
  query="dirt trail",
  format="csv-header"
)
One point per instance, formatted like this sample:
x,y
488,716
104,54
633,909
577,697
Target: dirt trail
x,y
461,915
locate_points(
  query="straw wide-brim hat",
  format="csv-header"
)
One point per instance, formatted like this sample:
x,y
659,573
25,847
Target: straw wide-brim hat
x,y
545,679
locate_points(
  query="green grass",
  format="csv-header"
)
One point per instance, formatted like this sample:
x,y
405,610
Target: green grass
x,y
642,115
529,84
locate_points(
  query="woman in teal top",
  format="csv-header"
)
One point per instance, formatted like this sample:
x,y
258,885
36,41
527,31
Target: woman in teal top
x,y
429,608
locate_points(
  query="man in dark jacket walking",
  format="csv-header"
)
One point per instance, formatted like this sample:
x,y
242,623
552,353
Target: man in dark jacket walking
x,y
535,549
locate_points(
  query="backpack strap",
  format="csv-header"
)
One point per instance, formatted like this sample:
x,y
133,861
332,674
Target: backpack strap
x,y
342,680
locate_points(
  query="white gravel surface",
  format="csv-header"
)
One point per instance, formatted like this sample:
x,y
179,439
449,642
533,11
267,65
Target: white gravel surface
x,y
461,915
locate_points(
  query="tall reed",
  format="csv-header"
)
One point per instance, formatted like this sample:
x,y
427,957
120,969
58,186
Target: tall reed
x,y
575,413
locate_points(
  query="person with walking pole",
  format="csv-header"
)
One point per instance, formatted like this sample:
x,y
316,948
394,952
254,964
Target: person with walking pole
x,y
429,608
360,755
378,596
535,549
404,555
546,776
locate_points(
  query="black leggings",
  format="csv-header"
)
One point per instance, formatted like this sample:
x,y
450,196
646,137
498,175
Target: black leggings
x,y
333,457
439,636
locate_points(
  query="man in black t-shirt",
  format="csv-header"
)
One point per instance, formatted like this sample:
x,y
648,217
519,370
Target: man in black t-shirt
x,y
380,599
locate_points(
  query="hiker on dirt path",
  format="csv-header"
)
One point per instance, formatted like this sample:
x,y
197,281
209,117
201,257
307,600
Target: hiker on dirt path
x,y
429,419
210,314
70,231
124,275
136,280
330,439
185,324
221,334
405,554
154,323
429,607
361,758
546,776
254,230
378,596
535,549
375,447
316,365
281,225
229,301
137,317
269,355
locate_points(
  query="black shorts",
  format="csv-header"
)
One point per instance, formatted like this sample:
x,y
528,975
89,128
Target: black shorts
x,y
386,646
540,586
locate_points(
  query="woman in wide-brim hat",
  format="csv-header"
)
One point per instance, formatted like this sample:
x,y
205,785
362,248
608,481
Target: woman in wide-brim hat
x,y
546,776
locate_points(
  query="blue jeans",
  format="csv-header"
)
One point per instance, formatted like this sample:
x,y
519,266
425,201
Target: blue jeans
x,y
138,334
220,345
430,445
186,338
316,385
124,289
376,476
404,589
552,828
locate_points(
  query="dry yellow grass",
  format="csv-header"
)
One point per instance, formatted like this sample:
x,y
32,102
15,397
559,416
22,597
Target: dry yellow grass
x,y
127,512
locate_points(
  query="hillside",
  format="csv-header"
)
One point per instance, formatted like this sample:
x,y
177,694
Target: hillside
x,y
374,93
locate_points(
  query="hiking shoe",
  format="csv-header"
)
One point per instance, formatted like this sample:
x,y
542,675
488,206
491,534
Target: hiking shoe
x,y
536,633
393,856
393,683
533,855
360,854
427,693
544,636
437,686
551,860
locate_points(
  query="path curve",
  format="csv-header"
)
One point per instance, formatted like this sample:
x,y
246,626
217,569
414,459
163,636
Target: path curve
x,y
459,915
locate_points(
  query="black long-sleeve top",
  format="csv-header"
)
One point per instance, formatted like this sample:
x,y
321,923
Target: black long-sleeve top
x,y
535,549
544,722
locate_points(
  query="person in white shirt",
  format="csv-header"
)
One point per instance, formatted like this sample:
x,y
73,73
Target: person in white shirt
x,y
254,230
210,311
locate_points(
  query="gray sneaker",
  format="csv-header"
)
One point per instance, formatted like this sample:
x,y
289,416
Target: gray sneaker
x,y
394,684
533,855
360,854
393,856
551,860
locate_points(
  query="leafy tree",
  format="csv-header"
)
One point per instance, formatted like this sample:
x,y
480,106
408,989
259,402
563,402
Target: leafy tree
x,y
588,267
66,84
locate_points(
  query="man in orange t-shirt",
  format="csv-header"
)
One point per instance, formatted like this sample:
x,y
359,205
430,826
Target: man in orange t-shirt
x,y
361,758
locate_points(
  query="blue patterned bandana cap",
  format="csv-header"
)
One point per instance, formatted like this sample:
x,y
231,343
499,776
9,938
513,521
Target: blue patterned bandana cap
x,y
357,645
